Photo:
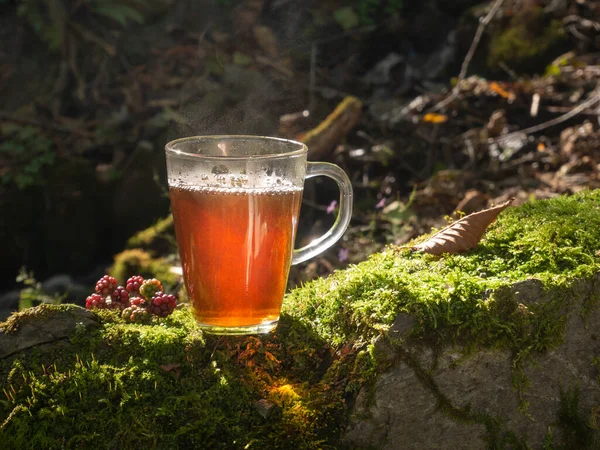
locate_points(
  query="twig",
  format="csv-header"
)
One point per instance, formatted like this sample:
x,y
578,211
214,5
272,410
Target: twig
x,y
511,73
48,126
550,123
465,65
562,109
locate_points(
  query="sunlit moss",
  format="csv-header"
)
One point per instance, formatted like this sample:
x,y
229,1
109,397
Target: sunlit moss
x,y
136,261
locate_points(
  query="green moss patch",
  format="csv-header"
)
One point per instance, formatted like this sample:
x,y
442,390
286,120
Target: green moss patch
x,y
167,385
461,296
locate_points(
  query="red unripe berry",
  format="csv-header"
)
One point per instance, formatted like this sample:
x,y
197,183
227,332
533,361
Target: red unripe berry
x,y
134,284
106,285
95,301
119,297
138,302
162,304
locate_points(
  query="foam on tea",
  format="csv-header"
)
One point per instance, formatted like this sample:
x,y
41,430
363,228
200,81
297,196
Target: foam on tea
x,y
235,247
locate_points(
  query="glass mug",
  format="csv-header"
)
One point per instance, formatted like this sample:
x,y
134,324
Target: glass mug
x,y
235,203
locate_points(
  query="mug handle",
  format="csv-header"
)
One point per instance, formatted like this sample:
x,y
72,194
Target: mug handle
x,y
314,169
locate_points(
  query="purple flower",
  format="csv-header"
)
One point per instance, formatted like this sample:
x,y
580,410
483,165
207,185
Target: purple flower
x,y
381,203
331,207
343,254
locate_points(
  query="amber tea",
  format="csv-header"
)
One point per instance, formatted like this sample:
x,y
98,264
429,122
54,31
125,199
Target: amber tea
x,y
236,248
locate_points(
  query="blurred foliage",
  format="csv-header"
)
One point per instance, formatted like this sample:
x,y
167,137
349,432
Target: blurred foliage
x,y
527,42
55,20
33,294
24,152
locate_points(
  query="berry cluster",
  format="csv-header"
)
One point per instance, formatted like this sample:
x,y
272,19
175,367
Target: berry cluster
x,y
138,300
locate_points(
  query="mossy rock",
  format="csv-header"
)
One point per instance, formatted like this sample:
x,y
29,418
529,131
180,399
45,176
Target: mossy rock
x,y
166,385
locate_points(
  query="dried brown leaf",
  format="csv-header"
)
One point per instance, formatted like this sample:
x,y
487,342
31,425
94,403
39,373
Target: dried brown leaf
x,y
462,235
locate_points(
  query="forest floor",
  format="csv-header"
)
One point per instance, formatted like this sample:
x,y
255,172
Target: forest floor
x,y
461,108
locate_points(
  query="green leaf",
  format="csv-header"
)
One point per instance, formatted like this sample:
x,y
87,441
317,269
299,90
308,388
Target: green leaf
x,y
346,17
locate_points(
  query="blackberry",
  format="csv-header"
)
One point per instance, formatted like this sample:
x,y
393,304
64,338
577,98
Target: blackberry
x,y
150,287
133,285
106,285
119,297
127,312
139,302
95,301
162,304
134,314
140,315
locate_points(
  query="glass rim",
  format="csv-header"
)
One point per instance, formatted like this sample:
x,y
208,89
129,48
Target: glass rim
x,y
170,147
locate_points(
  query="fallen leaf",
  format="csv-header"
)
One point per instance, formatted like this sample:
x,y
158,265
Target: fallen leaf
x,y
435,118
500,91
463,234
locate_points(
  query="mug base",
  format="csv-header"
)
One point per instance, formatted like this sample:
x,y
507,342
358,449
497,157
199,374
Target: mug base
x,y
261,328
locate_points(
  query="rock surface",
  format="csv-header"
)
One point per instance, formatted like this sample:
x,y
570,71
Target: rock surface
x,y
444,401
54,325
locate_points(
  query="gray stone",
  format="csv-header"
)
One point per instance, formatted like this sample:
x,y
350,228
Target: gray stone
x,y
404,414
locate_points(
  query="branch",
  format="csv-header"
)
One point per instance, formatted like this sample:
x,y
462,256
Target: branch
x,y
465,65
557,120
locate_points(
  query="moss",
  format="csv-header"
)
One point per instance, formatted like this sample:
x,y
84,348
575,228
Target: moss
x,y
554,242
166,385
528,42
140,262
575,431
